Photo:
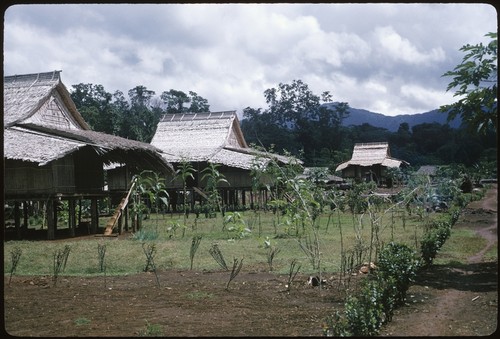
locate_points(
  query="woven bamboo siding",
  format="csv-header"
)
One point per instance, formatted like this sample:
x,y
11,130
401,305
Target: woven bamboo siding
x,y
236,177
63,173
118,179
24,177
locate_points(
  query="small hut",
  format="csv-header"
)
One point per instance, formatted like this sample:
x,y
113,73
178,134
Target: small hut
x,y
208,138
51,155
369,162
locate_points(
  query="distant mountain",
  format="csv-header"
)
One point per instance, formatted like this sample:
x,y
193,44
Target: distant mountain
x,y
360,116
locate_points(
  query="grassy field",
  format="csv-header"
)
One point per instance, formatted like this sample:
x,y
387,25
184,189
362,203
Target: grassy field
x,y
249,238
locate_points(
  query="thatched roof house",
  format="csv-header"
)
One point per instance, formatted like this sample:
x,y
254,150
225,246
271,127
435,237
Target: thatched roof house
x,y
207,137
211,137
49,151
369,162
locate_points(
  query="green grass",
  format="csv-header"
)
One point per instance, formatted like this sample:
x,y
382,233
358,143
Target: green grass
x,y
462,244
82,321
126,256
151,330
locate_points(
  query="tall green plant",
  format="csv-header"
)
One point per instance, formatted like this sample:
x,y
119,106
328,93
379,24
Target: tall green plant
x,y
150,187
213,178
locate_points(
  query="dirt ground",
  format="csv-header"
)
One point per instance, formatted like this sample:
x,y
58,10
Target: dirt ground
x,y
444,301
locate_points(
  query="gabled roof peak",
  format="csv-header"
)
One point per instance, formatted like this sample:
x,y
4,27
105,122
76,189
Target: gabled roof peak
x,y
34,79
190,116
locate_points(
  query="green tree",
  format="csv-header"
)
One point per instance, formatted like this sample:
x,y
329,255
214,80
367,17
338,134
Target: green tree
x,y
198,103
176,100
259,128
297,120
95,105
141,116
122,108
476,80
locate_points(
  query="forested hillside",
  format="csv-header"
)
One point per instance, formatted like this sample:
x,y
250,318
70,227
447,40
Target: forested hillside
x,y
360,116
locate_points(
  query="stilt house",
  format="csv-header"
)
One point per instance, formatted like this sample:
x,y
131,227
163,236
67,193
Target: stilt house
x,y
369,162
201,139
51,156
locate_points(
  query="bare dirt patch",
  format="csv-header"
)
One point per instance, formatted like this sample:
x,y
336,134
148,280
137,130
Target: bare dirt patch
x,y
458,300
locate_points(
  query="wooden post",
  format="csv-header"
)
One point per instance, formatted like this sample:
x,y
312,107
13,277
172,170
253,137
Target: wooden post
x,y
79,211
94,216
56,203
50,220
17,219
25,214
71,217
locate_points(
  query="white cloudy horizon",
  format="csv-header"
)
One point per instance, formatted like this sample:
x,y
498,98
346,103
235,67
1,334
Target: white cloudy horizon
x,y
385,58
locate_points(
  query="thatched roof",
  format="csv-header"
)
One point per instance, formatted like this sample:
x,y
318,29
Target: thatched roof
x,y
369,154
42,124
24,95
213,137
49,144
42,148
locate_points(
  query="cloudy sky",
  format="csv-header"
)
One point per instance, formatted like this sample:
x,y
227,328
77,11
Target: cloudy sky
x,y
386,58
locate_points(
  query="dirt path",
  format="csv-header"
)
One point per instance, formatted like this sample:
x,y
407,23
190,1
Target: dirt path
x,y
458,300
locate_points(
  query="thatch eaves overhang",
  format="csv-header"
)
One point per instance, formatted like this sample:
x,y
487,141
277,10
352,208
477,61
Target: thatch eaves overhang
x,y
30,146
111,149
247,158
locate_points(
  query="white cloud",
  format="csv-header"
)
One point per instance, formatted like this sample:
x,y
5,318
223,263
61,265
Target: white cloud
x,y
398,48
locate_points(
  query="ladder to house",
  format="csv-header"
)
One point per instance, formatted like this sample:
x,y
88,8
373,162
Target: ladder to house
x,y
200,192
111,224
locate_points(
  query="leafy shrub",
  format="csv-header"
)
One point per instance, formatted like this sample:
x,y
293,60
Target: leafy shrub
x,y
336,325
398,265
433,240
365,313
